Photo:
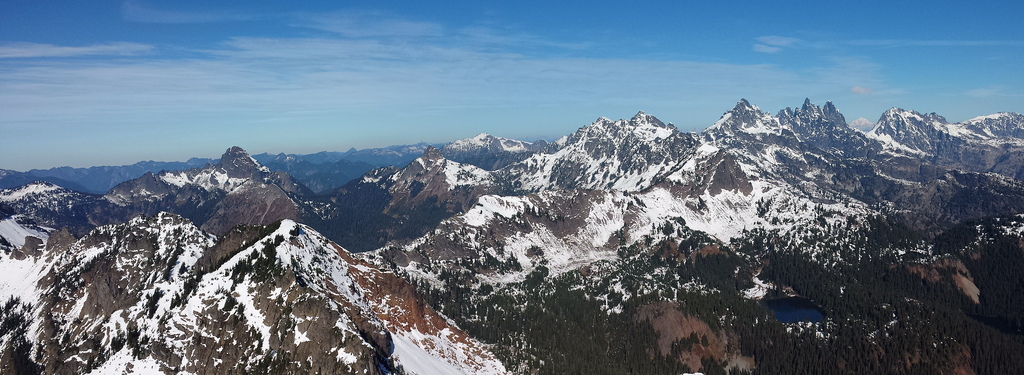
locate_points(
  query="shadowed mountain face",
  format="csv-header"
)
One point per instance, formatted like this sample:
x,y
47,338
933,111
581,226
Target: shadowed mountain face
x,y
236,190
99,180
324,172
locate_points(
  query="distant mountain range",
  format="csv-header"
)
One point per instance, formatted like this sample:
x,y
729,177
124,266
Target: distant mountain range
x,y
321,171
627,246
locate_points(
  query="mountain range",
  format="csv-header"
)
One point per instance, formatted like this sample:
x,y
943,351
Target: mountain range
x,y
320,172
627,246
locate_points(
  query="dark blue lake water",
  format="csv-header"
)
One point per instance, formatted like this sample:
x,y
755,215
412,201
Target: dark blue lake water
x,y
794,309
1001,324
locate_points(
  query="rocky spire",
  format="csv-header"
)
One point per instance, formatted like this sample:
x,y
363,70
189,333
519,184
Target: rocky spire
x,y
237,163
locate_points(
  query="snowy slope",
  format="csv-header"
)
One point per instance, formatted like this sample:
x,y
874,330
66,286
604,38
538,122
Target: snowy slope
x,y
625,155
158,295
922,134
487,142
572,229
738,178
14,232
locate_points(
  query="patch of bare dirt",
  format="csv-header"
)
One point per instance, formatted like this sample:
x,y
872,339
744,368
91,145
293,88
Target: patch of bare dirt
x,y
676,329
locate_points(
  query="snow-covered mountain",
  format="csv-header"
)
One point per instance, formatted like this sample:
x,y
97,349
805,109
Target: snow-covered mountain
x,y
158,295
911,132
53,206
236,190
20,235
626,246
990,143
623,155
625,181
825,128
627,217
399,203
489,152
484,141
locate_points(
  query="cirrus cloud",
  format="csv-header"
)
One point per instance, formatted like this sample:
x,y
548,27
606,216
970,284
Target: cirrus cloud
x,y
31,50
774,43
861,90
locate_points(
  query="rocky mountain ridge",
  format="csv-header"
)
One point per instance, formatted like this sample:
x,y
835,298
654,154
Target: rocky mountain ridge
x,y
176,299
489,152
803,179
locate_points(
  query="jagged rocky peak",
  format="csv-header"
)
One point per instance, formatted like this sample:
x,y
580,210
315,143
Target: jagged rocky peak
x,y
744,118
1003,124
825,128
910,131
484,142
641,125
237,163
898,120
814,124
627,155
808,114
431,154
642,118
831,111
744,111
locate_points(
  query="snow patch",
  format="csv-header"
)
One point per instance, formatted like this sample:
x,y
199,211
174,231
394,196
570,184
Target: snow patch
x,y
36,188
15,233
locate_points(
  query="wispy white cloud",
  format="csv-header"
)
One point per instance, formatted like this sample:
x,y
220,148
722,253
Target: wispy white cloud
x,y
135,12
30,50
766,49
778,41
934,43
478,35
364,24
774,43
861,90
985,92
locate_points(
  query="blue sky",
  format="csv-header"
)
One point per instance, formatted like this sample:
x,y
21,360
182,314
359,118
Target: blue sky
x,y
109,83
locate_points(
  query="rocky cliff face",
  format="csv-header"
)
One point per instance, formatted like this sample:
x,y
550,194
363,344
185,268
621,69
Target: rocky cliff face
x,y
826,128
